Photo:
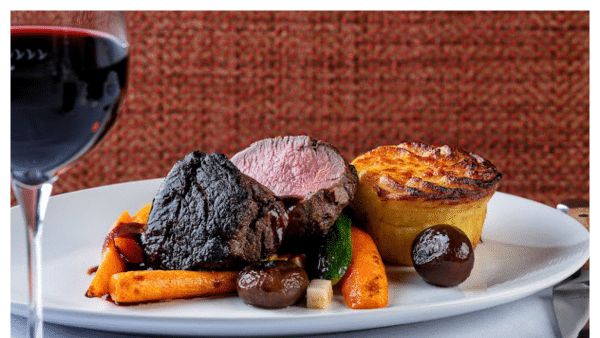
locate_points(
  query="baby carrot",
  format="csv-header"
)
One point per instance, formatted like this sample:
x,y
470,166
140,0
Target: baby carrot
x,y
365,284
110,263
154,285
129,249
142,215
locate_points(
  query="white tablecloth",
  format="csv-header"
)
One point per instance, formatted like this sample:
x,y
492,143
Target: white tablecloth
x,y
530,317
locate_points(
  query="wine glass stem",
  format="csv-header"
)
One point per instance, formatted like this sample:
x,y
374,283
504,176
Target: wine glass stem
x,y
33,201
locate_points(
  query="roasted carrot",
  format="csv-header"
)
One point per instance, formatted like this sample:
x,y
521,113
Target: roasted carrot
x,y
365,284
111,261
142,215
153,285
129,249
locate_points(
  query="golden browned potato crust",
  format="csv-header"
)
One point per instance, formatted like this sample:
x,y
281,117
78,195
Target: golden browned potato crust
x,y
405,188
417,171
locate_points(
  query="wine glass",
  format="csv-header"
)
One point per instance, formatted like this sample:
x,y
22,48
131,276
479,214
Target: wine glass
x,y
68,78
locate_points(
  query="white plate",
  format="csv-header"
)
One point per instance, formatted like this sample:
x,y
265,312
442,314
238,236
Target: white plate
x,y
526,247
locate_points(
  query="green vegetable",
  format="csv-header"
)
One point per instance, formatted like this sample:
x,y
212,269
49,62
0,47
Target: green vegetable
x,y
332,254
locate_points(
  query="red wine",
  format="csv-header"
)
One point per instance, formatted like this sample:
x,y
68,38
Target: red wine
x,y
66,88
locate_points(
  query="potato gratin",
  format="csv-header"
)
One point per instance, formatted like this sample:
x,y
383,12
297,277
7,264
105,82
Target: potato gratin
x,y
405,188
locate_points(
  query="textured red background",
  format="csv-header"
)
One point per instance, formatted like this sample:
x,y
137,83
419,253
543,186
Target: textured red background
x,y
512,87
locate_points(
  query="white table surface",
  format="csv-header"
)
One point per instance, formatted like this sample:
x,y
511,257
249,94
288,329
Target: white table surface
x,y
532,316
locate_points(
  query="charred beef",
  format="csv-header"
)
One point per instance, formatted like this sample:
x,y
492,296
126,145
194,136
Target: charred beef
x,y
312,178
209,215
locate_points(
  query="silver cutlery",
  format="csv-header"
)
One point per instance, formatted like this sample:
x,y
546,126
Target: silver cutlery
x,y
571,296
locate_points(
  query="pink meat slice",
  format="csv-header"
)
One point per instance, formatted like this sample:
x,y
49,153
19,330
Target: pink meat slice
x,y
311,176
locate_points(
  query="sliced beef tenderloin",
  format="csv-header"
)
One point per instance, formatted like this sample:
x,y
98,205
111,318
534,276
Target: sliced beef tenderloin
x,y
312,178
207,215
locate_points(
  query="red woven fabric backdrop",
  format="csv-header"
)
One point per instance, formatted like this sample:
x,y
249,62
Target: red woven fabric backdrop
x,y
512,87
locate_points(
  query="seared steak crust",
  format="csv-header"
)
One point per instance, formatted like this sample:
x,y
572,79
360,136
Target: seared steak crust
x,y
207,215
